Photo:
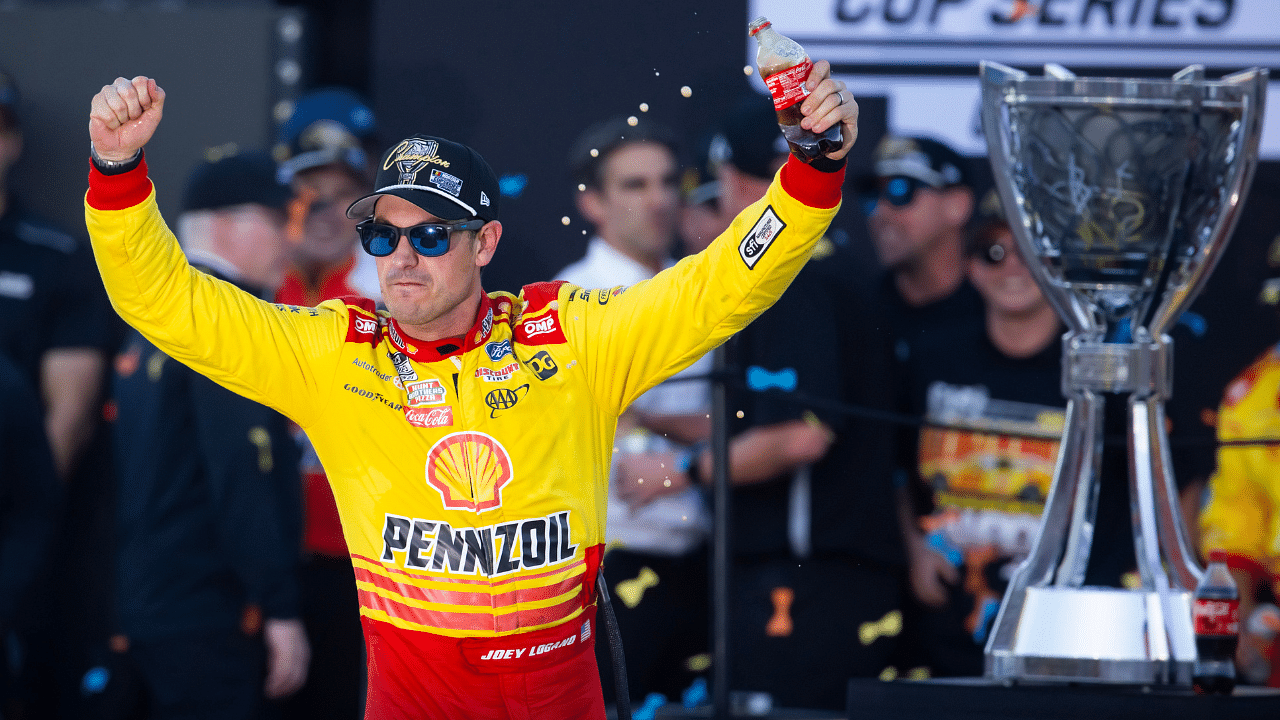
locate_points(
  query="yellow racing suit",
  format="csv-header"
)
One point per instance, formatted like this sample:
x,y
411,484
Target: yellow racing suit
x,y
1241,521
470,473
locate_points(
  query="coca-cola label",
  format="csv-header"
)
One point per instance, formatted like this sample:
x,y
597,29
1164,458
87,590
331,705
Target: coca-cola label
x,y
433,418
1216,617
787,87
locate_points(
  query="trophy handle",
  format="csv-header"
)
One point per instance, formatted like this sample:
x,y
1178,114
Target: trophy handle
x,y
1245,149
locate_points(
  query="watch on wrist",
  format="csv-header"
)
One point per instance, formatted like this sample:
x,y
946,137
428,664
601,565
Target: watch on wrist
x,y
114,167
688,463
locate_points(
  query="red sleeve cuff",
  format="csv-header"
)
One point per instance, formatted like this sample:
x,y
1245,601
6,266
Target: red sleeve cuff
x,y
117,192
812,187
1240,562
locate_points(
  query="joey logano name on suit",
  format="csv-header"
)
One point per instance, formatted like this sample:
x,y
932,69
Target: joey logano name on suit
x,y
492,551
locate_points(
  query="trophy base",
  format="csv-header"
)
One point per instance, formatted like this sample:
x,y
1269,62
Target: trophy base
x,y
1099,635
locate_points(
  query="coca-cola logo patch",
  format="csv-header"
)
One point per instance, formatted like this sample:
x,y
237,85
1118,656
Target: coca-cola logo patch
x,y
760,237
432,418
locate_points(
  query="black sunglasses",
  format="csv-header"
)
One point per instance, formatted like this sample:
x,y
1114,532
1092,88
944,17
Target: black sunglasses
x,y
898,190
428,239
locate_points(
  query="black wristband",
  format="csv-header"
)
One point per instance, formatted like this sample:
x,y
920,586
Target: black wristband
x,y
822,163
111,167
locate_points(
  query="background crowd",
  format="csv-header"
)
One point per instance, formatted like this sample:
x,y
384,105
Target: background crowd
x,y
205,554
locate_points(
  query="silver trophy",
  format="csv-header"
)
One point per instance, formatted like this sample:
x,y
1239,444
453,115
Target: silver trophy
x,y
1122,194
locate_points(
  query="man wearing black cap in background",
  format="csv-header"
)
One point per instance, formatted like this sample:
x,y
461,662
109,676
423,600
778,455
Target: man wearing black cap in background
x,y
918,205
328,137
209,494
816,548
466,434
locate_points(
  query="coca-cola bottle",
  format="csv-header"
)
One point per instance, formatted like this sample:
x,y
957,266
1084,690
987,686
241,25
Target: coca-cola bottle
x,y
1216,613
785,66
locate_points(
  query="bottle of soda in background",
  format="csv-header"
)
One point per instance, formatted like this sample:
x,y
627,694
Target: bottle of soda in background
x,y
784,67
1216,614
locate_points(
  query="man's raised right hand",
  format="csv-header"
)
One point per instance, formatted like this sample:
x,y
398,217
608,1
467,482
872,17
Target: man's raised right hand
x,y
123,116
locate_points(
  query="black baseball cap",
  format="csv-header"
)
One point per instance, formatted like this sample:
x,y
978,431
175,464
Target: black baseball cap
x,y
445,178
328,126
238,179
930,161
753,140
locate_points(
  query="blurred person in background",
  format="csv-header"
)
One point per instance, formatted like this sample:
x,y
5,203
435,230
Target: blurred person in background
x,y
1240,522
985,482
58,329
655,564
209,508
815,543
328,138
53,315
29,497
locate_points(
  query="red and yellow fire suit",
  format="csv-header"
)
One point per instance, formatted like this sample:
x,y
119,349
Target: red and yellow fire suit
x,y
470,473
1240,524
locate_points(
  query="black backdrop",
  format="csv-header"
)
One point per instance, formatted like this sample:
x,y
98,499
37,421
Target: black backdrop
x,y
519,81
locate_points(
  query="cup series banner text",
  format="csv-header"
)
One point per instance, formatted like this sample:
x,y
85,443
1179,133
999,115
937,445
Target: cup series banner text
x,y
923,54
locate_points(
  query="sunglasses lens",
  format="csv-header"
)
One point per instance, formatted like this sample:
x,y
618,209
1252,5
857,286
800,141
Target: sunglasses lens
x,y
429,240
900,191
378,240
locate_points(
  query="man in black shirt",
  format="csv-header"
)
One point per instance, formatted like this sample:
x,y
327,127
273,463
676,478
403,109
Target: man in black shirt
x,y
53,311
209,509
984,477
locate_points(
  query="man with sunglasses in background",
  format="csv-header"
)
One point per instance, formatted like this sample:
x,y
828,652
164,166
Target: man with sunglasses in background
x,y
467,435
985,479
917,204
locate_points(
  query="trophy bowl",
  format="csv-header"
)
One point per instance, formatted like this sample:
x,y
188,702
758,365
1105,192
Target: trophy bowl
x,y
1122,194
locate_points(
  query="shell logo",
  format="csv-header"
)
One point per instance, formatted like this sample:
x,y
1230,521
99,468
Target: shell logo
x,y
469,470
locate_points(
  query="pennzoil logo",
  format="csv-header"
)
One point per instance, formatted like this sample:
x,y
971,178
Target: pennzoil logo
x,y
469,470
411,157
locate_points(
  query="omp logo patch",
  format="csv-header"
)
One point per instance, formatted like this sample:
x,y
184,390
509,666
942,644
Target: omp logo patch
x,y
760,237
469,470
540,326
366,326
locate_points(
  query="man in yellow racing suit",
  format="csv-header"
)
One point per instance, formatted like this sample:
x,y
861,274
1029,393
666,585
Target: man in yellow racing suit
x,y
1240,525
467,435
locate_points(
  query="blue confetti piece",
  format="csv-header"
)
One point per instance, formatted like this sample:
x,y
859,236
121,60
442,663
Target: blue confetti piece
x,y
990,607
95,680
649,709
760,379
1195,322
696,694
512,185
949,551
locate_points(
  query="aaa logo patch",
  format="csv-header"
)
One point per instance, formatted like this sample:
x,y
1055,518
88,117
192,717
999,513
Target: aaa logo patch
x,y
469,470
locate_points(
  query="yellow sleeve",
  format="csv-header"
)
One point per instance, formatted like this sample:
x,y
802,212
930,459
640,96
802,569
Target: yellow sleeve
x,y
630,340
277,355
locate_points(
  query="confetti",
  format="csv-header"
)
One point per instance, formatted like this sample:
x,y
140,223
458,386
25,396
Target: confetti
x,y
741,414
582,187
686,91
595,152
564,220
633,121
644,107
748,70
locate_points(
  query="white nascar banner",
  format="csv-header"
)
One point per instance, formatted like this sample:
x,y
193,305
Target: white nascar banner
x,y
919,53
